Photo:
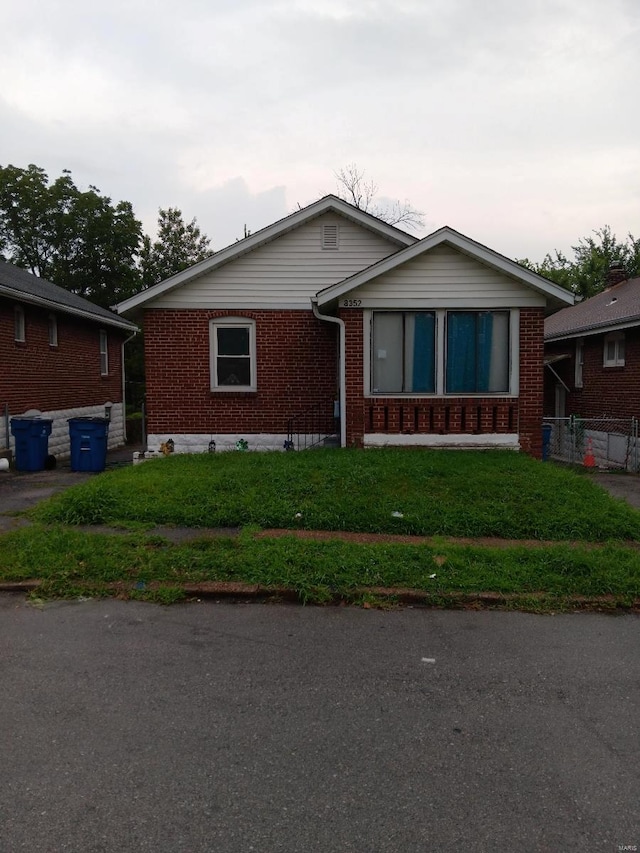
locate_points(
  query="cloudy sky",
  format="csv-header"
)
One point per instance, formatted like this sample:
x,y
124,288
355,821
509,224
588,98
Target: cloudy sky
x,y
515,121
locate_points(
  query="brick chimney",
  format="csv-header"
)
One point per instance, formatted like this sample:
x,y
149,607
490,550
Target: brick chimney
x,y
615,274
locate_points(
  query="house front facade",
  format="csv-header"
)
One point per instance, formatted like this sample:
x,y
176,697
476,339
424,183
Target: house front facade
x,y
594,350
592,377
389,340
61,356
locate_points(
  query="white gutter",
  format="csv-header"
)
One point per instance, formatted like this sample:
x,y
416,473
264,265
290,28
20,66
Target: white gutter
x,y
342,369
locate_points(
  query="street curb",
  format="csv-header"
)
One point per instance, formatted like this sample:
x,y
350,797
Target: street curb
x,y
369,597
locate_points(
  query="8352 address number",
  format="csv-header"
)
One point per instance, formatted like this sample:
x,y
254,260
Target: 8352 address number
x,y
351,303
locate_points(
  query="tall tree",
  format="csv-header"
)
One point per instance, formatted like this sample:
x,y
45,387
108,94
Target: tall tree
x,y
586,273
178,245
79,240
360,192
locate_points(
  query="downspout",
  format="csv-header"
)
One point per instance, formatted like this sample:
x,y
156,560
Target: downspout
x,y
124,399
342,369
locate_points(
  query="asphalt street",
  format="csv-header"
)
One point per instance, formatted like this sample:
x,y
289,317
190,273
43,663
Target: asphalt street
x,y
251,727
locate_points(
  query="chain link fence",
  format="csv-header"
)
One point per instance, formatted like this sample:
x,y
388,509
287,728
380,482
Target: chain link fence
x,y
613,442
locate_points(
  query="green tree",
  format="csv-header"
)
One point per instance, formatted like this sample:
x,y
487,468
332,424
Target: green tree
x,y
179,245
79,240
586,273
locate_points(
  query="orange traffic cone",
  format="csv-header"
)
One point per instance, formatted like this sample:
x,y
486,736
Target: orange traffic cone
x,y
589,459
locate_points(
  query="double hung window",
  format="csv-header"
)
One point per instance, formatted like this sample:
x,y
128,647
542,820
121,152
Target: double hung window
x,y
19,325
233,358
104,353
614,350
579,362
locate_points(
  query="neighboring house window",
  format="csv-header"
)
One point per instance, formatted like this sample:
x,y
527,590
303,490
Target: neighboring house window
x,y
104,353
330,237
477,352
53,330
474,358
233,354
19,325
614,350
403,352
579,362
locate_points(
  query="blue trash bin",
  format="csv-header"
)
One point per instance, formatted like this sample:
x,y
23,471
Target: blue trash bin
x,y
546,440
31,442
88,437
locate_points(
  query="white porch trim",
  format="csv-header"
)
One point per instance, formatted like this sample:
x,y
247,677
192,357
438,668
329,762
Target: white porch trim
x,y
459,440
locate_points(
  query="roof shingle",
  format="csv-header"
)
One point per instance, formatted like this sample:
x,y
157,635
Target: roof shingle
x,y
20,284
616,306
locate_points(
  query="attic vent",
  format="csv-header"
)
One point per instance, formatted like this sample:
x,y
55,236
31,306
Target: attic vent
x,y
329,236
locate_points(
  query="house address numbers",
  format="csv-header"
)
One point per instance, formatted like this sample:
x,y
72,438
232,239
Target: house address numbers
x,y
350,303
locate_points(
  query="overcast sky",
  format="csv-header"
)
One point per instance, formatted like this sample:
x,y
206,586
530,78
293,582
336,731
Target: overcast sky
x,y
516,122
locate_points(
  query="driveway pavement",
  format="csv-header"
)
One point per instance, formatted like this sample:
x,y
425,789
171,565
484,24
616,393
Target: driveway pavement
x,y
218,727
21,490
620,485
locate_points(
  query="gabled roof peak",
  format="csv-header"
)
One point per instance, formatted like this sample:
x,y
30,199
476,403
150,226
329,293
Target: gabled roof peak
x,y
294,220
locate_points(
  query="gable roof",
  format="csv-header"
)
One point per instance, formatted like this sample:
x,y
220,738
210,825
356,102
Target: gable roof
x,y
616,307
327,204
21,285
556,295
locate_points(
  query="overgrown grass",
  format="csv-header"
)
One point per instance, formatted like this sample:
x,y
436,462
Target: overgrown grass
x,y
463,494
72,562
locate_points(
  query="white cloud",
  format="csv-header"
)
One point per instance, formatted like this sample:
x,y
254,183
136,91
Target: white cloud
x,y
515,123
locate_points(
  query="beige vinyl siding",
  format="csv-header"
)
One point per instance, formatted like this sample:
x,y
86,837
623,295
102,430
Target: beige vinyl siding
x,y
445,277
285,272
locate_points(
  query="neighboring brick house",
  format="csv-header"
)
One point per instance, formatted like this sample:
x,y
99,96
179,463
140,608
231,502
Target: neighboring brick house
x,y
61,356
592,353
434,342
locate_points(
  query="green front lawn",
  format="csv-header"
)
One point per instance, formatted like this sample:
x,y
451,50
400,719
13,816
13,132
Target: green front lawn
x,y
433,493
449,493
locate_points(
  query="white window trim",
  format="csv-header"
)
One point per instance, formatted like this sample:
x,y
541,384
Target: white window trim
x,y
19,325
234,322
104,353
579,367
440,334
616,361
53,330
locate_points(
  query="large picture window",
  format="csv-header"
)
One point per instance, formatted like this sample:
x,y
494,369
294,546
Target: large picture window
x,y
403,352
233,365
477,355
441,352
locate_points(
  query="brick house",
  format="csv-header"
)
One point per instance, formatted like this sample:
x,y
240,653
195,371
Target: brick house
x,y
592,352
435,342
61,357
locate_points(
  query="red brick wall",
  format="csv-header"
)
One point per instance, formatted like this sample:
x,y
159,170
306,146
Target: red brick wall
x,y
531,380
607,392
37,376
296,368
446,414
